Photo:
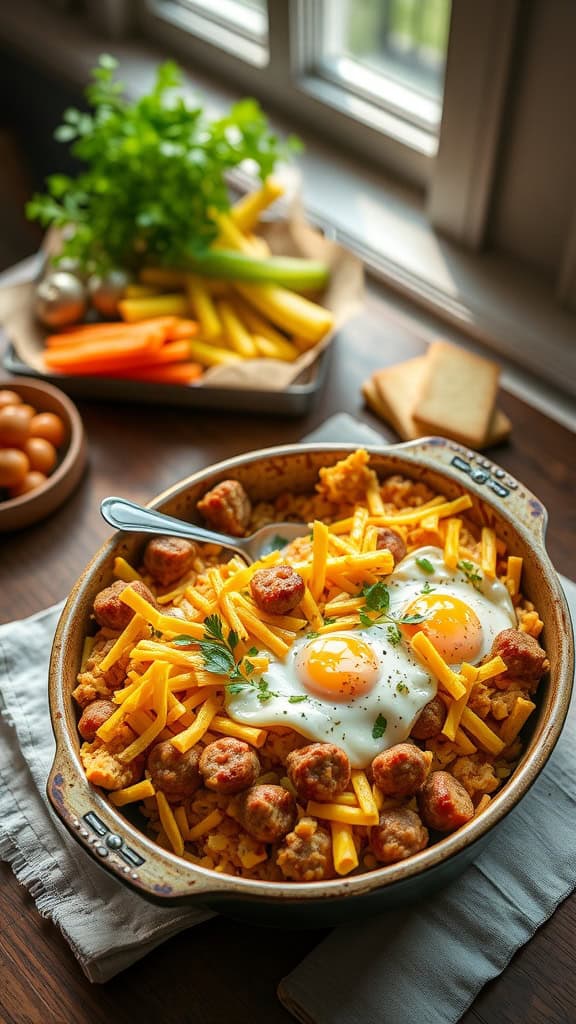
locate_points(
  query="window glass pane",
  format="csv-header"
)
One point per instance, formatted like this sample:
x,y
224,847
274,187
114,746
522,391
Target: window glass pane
x,y
238,26
403,41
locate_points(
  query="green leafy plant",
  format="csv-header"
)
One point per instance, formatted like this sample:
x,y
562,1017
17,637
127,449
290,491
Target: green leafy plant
x,y
154,170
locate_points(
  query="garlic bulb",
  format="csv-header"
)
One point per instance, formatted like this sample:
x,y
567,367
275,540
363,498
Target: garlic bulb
x,y
107,291
60,299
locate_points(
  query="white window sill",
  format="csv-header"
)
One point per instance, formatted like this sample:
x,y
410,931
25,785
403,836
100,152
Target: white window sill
x,y
489,299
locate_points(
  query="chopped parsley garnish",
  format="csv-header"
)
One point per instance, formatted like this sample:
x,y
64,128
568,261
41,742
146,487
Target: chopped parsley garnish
x,y
425,565
328,621
377,598
402,688
218,654
379,727
297,698
427,589
471,573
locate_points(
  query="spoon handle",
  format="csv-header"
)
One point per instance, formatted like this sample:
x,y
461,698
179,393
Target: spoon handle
x,y
123,514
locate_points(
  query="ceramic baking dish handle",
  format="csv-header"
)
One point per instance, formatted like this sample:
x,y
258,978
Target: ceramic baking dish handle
x,y
482,477
100,829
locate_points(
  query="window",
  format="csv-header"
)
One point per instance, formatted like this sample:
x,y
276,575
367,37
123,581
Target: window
x,y
239,27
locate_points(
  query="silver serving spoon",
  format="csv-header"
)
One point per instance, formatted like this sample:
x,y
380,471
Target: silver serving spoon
x,y
127,515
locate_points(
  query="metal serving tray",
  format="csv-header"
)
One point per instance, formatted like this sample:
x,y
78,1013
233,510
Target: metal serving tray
x,y
295,400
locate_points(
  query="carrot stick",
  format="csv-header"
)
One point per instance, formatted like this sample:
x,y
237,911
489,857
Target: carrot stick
x,y
170,352
106,349
173,373
119,329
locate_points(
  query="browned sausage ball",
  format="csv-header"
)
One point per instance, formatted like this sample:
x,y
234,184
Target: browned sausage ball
x,y
227,508
444,803
430,720
167,559
110,611
93,716
175,774
400,770
306,853
523,655
391,540
319,771
398,835
267,812
229,765
278,590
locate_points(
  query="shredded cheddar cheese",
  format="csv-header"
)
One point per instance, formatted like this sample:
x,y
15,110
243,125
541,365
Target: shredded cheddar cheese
x,y
344,852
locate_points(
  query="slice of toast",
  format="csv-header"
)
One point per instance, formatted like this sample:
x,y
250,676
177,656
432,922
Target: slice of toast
x,y
392,392
458,394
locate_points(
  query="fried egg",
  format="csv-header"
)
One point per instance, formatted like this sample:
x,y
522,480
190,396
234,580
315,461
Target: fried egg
x,y
462,609
362,689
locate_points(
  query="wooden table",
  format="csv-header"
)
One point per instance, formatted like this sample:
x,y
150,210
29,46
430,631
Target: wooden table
x,y
224,971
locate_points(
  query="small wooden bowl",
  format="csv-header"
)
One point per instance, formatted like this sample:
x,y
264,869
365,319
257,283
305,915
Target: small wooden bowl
x,y
16,513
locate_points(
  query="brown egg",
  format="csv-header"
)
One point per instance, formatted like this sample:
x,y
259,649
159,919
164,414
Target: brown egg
x,y
41,454
9,398
49,426
29,482
14,426
13,466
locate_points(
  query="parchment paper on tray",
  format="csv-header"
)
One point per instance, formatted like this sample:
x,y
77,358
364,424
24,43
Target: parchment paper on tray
x,y
291,237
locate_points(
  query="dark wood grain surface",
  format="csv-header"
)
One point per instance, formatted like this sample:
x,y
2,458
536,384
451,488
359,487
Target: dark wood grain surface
x,y
222,971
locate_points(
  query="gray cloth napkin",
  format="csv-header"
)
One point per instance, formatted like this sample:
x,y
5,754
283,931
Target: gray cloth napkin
x,y
429,962
107,926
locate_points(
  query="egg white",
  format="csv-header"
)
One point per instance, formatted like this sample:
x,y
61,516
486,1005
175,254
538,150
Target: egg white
x,y
403,686
489,598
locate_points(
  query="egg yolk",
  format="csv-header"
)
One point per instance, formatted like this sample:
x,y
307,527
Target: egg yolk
x,y
338,667
450,624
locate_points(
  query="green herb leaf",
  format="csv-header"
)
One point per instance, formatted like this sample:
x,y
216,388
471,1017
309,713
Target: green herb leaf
x,y
297,698
365,620
377,597
252,652
411,620
394,634
379,727
427,589
153,172
471,573
329,621
213,627
402,688
425,565
236,687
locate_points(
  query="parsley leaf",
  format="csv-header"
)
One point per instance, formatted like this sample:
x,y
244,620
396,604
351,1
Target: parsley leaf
x,y
153,171
427,589
297,698
425,565
471,573
377,597
402,688
379,727
394,634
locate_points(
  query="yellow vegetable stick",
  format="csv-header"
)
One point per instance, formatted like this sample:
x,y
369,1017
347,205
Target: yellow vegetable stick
x,y
514,574
169,824
185,740
481,732
206,825
255,323
160,704
359,521
231,236
427,653
488,555
338,812
451,543
134,631
203,308
288,310
363,791
344,852
246,212
235,332
210,355
130,794
310,609
319,558
275,349
518,716
123,571
248,733
419,515
132,310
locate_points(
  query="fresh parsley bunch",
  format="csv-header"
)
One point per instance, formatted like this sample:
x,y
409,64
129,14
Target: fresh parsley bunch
x,y
154,169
